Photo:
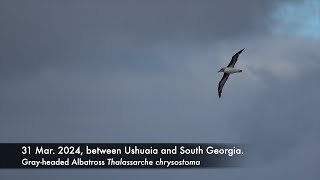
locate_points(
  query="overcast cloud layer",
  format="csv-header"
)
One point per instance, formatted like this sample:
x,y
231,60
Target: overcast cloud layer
x,y
146,71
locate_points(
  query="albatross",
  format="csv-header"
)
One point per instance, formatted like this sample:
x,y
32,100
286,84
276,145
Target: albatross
x,y
228,70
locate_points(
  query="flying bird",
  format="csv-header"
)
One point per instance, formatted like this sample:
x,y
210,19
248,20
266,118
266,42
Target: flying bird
x,y
228,70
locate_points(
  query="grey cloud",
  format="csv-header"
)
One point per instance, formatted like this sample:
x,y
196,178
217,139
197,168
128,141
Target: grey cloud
x,y
145,71
38,34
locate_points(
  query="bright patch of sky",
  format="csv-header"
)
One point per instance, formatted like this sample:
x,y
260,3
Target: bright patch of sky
x,y
298,18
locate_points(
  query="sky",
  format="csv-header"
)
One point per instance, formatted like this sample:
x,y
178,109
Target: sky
x,y
146,71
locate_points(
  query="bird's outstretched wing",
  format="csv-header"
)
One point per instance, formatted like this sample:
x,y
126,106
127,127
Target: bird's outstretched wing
x,y
222,82
234,59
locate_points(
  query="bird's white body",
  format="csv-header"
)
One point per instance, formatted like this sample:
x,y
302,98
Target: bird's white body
x,y
230,70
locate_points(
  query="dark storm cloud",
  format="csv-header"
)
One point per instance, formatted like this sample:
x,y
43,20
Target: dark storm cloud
x,y
37,34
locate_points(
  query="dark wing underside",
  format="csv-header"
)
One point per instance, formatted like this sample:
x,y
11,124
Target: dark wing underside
x,y
222,82
234,59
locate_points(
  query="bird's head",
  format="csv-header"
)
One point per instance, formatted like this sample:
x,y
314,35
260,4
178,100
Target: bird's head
x,y
221,70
